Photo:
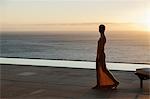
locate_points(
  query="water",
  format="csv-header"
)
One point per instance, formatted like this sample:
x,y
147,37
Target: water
x,y
125,46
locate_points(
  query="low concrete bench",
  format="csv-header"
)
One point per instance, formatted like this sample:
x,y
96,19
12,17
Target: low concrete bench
x,y
143,74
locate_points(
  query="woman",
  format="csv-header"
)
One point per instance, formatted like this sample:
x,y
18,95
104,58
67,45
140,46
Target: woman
x,y
104,78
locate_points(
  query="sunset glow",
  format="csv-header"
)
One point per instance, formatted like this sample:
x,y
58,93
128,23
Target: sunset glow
x,y
58,12
147,23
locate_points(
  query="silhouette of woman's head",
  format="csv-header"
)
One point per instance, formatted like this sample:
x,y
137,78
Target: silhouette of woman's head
x,y
102,28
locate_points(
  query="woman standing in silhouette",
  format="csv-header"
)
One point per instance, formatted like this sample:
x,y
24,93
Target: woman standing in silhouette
x,y
104,78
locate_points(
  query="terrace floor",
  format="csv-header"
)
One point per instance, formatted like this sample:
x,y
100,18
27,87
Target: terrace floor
x,y
35,82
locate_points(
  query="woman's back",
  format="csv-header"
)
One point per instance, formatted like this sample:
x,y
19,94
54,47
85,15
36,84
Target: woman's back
x,y
101,44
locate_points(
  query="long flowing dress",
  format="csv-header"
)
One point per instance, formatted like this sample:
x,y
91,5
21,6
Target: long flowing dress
x,y
104,77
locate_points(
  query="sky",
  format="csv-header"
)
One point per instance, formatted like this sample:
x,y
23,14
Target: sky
x,y
16,12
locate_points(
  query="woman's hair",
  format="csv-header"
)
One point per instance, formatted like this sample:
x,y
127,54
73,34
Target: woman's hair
x,y
102,27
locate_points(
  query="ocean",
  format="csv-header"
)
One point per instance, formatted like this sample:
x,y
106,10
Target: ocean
x,y
121,46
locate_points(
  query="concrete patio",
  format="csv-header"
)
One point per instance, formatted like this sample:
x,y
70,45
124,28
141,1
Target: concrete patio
x,y
35,82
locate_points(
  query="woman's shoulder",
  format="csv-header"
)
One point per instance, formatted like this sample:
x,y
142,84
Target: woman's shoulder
x,y
102,40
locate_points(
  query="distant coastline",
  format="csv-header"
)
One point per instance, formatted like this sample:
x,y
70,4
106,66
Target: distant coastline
x,y
82,26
